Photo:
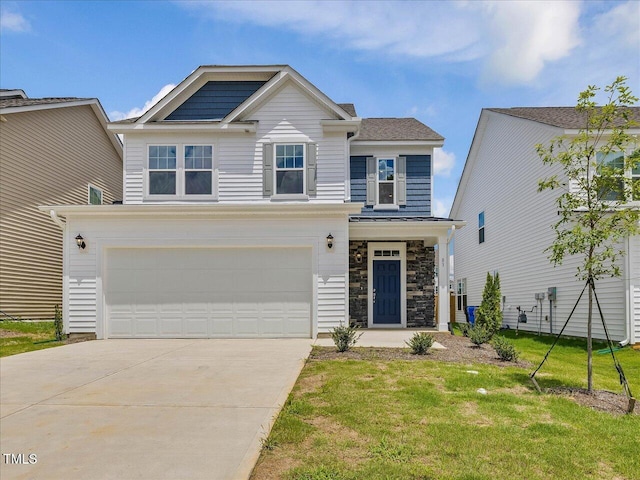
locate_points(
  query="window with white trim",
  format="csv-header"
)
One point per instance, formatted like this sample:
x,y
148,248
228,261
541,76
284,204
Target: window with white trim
x,y
635,181
180,171
462,294
481,227
289,169
162,169
386,181
95,195
626,178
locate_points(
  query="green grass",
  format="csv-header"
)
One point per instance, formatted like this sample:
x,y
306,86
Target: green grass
x,y
33,336
352,419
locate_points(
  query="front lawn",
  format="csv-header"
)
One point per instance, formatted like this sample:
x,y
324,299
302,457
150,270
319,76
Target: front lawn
x,y
381,418
20,337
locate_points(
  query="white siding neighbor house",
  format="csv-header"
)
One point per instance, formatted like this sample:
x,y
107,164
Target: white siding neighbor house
x,y
255,206
509,225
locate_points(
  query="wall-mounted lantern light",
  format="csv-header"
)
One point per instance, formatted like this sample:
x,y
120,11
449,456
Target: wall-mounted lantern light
x,y
358,257
80,242
330,241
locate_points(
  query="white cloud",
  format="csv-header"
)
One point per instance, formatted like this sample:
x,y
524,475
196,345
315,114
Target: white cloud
x,y
513,41
526,35
13,22
441,207
136,111
443,162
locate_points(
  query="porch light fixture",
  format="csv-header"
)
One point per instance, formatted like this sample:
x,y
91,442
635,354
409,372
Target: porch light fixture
x,y
330,241
358,257
80,242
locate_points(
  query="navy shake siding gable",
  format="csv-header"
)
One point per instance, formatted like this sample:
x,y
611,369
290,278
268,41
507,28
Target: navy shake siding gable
x,y
215,100
418,186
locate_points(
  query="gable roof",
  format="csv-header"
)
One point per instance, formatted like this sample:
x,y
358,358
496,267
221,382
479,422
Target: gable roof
x,y
272,76
21,105
563,117
396,129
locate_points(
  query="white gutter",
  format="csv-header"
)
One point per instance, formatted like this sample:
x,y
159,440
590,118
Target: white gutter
x,y
450,236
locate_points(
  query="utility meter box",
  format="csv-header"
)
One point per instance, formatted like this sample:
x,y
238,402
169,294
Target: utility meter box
x,y
540,296
551,293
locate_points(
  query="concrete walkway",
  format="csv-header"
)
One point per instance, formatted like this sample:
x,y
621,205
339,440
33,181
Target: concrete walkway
x,y
143,409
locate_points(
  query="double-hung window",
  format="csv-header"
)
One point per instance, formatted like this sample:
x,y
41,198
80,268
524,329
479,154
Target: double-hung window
x,y
95,195
180,171
162,169
290,168
612,163
481,227
198,164
386,181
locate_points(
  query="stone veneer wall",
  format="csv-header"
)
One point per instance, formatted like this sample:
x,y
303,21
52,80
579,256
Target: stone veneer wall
x,y
420,288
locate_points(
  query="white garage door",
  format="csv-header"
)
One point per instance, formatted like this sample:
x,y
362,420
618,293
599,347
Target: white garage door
x,y
208,292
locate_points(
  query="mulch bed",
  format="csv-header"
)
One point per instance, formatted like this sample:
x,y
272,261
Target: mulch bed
x,y
461,350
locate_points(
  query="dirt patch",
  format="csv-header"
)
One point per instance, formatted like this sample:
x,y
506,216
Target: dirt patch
x,y
457,350
10,334
602,400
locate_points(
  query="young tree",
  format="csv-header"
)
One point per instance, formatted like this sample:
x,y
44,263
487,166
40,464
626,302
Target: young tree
x,y
489,314
594,215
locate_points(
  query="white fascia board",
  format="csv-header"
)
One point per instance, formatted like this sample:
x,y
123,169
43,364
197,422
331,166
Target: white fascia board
x,y
574,132
12,93
398,143
406,230
341,125
195,127
208,210
257,98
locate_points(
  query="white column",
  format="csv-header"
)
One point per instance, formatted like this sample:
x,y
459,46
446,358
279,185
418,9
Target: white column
x,y
443,284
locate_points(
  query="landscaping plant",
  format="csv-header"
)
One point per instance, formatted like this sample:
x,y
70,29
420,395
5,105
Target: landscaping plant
x,y
479,334
489,314
594,216
57,323
505,349
345,337
420,343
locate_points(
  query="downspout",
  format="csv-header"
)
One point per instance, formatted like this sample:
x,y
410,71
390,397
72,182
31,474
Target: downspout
x,y
628,297
65,306
56,219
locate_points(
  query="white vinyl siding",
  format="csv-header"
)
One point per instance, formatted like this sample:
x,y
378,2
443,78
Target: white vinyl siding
x,y
85,267
521,220
289,116
634,283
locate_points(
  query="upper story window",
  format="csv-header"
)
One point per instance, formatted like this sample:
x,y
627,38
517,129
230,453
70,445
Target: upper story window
x,y
386,182
95,195
289,169
184,171
614,163
481,227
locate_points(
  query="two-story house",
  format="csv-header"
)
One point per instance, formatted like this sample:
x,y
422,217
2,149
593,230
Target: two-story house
x,y
510,226
256,206
52,151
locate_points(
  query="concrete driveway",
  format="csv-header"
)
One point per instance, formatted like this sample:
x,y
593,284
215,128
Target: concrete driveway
x,y
143,409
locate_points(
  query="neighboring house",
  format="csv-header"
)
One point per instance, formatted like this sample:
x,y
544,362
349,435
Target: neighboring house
x,y
255,206
52,151
510,226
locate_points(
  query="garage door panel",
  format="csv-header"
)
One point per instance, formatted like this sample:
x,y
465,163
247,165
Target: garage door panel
x,y
216,292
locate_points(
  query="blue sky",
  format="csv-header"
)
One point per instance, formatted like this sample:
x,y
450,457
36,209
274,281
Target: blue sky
x,y
441,62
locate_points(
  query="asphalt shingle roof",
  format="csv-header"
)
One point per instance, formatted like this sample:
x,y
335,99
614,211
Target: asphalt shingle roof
x,y
563,117
396,129
27,102
350,108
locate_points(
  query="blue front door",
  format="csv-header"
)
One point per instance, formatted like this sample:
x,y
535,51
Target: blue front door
x,y
386,292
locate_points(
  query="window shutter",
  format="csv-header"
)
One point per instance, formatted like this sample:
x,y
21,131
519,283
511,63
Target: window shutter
x,y
312,189
401,181
371,180
267,169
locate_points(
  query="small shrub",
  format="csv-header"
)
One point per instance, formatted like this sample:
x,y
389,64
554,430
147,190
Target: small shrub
x,y
57,323
420,343
479,335
345,337
464,329
505,349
